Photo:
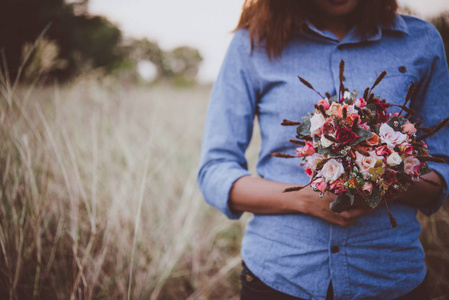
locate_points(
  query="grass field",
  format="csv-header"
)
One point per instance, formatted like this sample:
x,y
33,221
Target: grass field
x,y
99,198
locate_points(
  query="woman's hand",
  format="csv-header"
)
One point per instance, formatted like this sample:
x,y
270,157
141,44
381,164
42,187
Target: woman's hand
x,y
422,193
318,207
263,196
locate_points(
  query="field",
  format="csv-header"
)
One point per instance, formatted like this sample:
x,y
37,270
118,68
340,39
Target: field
x,y
99,198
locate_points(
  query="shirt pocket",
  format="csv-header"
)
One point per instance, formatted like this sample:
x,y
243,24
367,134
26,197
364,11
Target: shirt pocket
x,y
393,88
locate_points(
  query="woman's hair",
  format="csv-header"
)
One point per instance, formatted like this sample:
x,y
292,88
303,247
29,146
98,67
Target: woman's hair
x,y
276,22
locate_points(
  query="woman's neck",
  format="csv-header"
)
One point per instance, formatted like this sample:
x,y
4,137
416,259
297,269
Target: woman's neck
x,y
339,26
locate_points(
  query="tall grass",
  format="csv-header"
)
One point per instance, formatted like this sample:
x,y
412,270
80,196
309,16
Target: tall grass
x,y
99,198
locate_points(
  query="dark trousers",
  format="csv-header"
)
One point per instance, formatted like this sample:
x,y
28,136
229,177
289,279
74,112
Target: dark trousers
x,y
254,289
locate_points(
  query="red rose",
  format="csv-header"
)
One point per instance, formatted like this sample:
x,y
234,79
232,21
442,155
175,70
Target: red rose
x,y
389,177
381,109
345,135
380,104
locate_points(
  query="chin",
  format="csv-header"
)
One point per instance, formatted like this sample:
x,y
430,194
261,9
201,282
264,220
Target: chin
x,y
336,8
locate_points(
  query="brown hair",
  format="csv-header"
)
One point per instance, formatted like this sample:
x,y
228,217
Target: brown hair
x,y
276,22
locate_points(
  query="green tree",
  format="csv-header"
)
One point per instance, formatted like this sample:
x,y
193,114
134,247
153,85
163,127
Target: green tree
x,y
82,40
180,64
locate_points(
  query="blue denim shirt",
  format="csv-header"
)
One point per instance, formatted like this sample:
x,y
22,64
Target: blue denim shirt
x,y
292,253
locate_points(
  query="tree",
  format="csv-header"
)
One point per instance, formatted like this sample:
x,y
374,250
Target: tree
x,y
81,39
181,63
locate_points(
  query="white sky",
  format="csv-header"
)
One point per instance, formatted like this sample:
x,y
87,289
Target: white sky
x,y
203,24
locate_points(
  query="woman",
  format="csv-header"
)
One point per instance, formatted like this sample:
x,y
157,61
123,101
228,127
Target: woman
x,y
294,247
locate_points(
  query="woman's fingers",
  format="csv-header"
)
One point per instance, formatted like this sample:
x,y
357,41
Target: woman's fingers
x,y
335,218
346,218
319,207
355,213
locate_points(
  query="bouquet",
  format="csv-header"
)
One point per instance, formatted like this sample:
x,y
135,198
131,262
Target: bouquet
x,y
352,147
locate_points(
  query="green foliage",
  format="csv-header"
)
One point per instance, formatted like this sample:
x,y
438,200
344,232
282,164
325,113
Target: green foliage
x,y
83,42
180,65
363,135
342,203
397,123
375,198
304,129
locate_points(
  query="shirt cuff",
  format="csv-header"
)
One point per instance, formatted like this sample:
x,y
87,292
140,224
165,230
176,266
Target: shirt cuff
x,y
443,171
226,190
216,186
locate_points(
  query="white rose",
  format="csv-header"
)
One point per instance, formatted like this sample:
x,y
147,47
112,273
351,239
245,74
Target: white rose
x,y
325,142
350,109
332,170
391,137
316,122
313,160
394,159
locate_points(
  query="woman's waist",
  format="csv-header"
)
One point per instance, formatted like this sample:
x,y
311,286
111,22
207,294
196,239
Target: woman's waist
x,y
304,231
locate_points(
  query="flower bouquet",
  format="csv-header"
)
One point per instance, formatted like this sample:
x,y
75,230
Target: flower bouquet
x,y
352,147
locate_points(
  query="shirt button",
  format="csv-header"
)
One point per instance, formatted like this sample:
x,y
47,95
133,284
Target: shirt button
x,y
402,69
335,249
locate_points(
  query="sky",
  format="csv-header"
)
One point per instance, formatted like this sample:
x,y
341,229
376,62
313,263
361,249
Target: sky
x,y
202,24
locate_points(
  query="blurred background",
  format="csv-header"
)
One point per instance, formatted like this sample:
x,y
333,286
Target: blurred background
x,y
102,106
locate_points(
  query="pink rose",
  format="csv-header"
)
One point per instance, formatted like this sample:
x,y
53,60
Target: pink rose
x,y
406,148
332,170
324,103
409,128
383,150
366,162
337,187
410,163
315,123
320,185
391,137
334,108
306,150
308,171
360,102
368,187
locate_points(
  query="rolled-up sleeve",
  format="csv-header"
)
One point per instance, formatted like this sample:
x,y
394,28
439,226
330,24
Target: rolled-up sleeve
x,y
229,126
432,104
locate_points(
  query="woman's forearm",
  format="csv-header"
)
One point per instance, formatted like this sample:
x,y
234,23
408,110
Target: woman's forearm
x,y
261,196
421,193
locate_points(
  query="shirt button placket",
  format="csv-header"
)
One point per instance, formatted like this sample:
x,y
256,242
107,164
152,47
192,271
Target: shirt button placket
x,y
337,262
336,57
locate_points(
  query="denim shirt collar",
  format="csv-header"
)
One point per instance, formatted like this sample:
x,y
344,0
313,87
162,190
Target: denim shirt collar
x,y
398,25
